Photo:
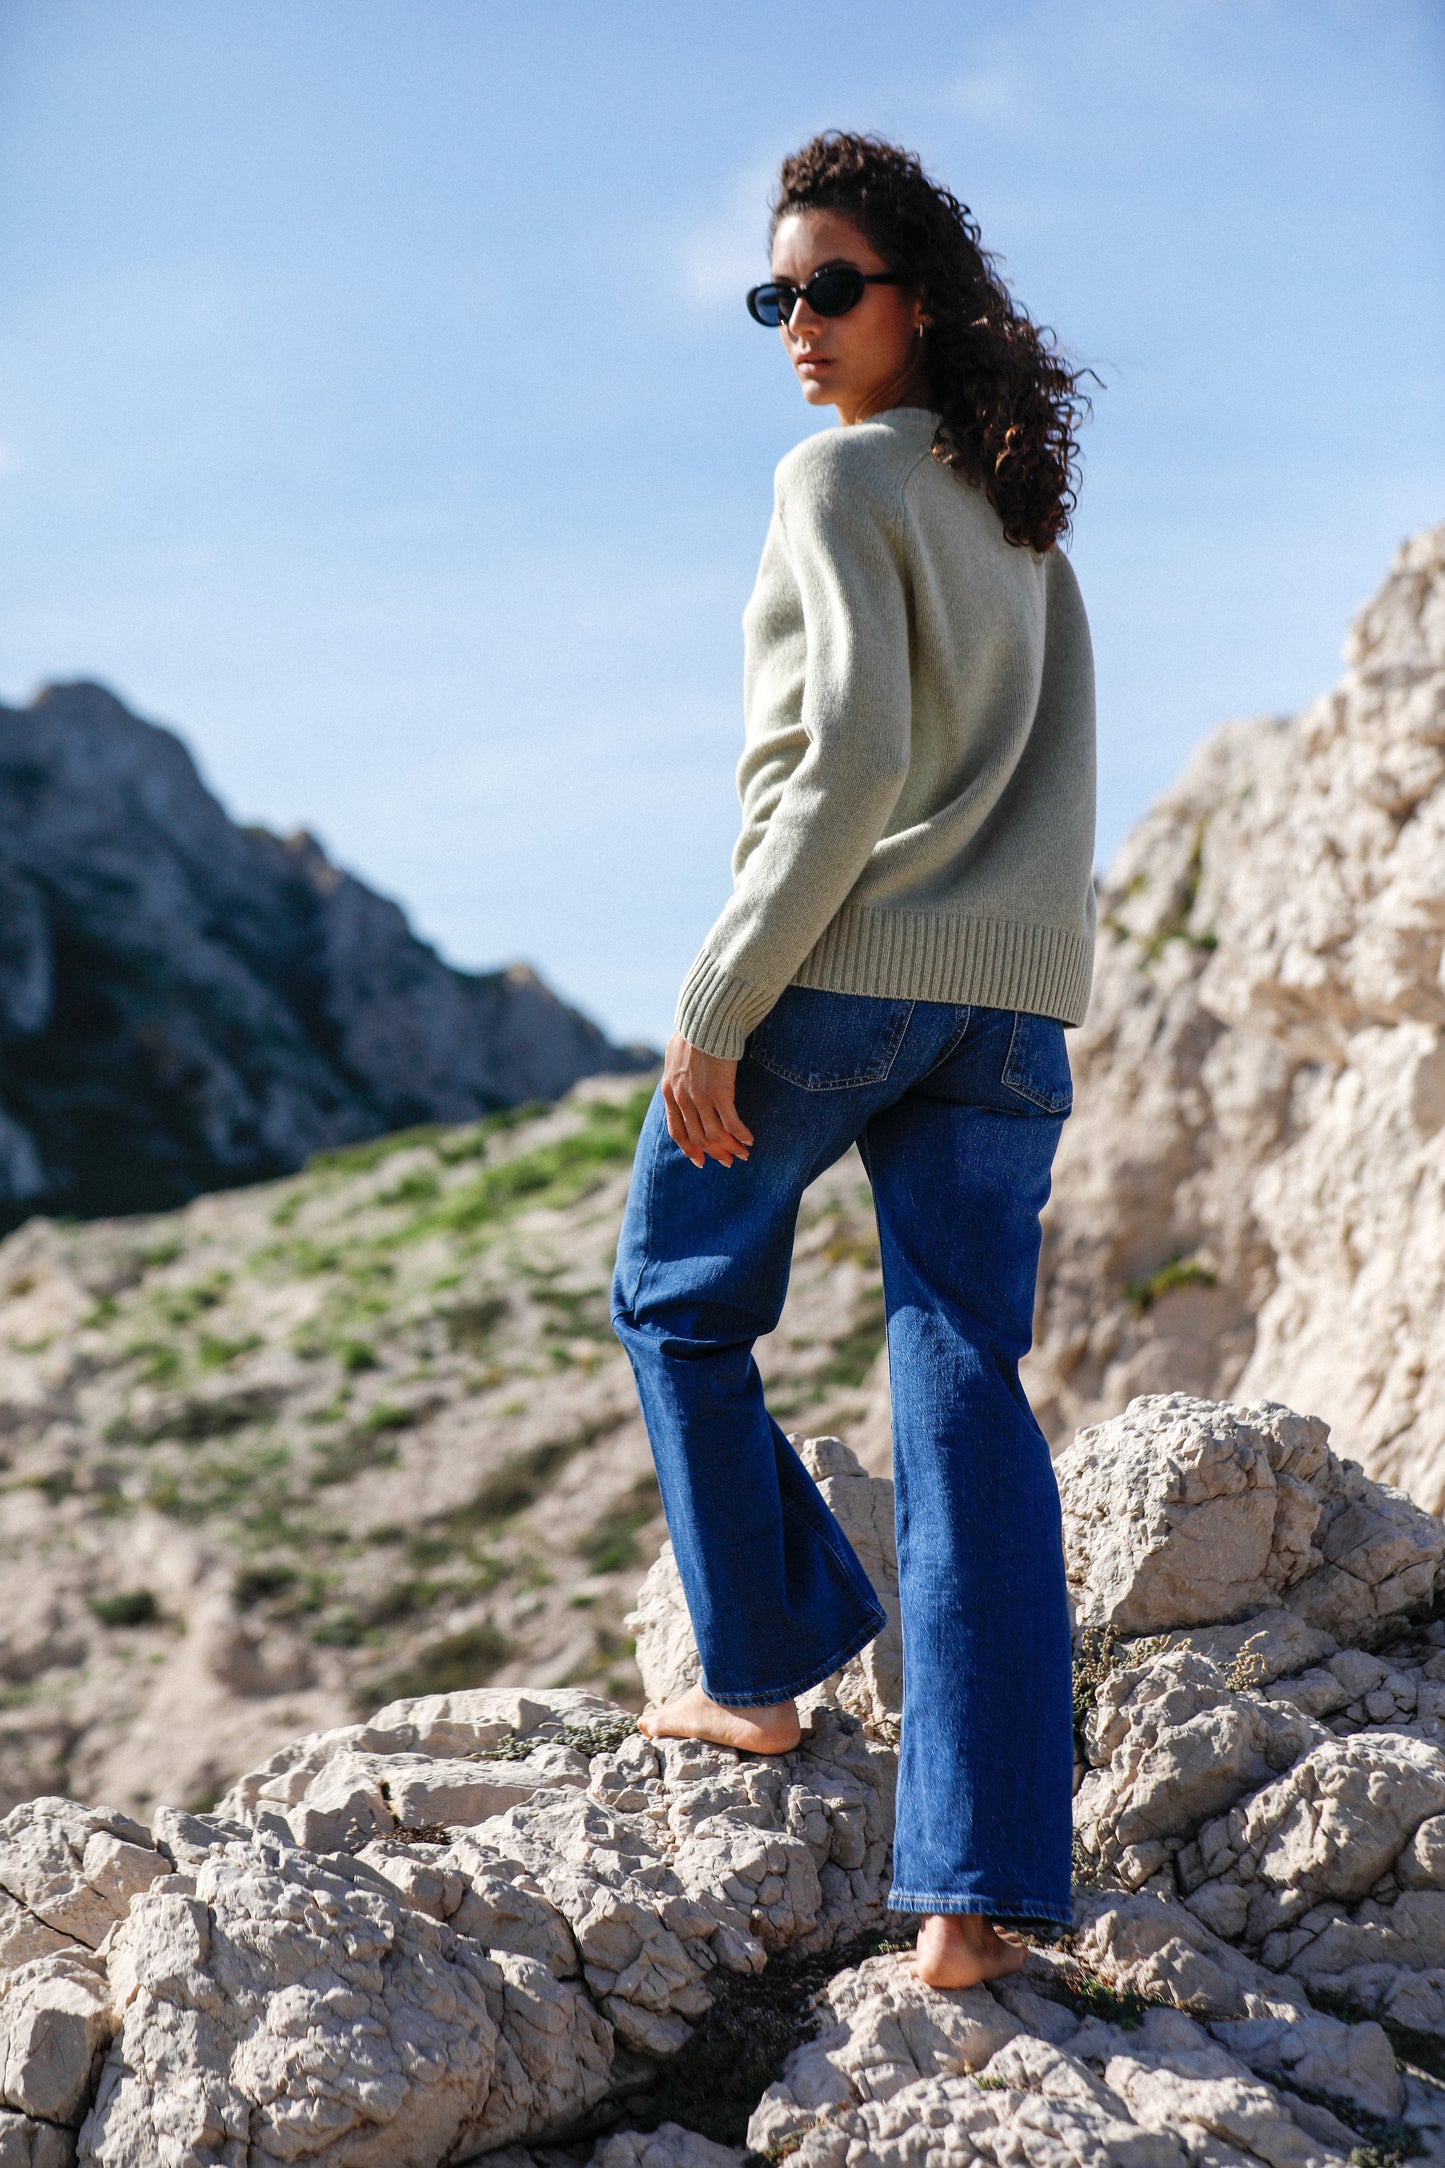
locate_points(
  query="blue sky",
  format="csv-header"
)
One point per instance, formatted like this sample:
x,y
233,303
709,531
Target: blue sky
x,y
377,405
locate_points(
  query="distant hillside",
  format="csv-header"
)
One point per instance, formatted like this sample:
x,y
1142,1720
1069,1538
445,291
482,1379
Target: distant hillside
x,y
186,1004
365,1431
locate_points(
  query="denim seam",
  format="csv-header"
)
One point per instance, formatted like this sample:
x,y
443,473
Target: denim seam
x,y
769,1696
960,1033
867,1593
1050,1105
842,1083
941,1901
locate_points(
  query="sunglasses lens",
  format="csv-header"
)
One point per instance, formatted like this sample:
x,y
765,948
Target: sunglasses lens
x,y
766,303
836,290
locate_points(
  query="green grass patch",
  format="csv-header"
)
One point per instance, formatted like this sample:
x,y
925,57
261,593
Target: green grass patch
x,y
160,1362
1180,1271
361,1158
421,1186
387,1415
215,1353
552,1174
183,1305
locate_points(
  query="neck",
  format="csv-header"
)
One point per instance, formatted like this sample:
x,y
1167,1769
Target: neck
x,y
910,387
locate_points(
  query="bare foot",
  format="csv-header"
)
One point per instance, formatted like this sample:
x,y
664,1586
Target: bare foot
x,y
694,1715
958,1949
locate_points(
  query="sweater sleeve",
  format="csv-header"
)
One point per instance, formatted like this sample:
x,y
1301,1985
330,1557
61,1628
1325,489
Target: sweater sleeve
x,y
842,532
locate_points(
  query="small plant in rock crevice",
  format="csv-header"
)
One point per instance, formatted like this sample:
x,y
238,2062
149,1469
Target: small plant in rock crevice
x,y
1098,1651
717,2077
603,1737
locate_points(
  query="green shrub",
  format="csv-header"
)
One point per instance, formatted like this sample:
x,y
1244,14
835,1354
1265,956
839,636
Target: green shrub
x,y
256,1584
386,1415
135,1607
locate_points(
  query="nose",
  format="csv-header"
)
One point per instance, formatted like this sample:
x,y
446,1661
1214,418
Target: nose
x,y
809,317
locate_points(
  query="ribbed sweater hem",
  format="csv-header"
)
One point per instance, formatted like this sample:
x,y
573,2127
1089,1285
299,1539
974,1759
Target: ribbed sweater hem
x,y
932,955
902,955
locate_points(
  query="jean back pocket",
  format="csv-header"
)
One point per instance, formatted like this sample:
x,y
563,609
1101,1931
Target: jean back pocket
x,y
826,1042
1036,1066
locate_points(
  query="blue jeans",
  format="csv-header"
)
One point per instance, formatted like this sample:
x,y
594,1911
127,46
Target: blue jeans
x,y
957,1114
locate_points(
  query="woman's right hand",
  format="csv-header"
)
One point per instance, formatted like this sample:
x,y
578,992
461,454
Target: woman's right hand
x,y
698,1092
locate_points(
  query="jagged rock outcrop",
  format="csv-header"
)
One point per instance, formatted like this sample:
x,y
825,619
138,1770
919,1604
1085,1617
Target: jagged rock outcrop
x,y
186,1004
1250,1197
486,1922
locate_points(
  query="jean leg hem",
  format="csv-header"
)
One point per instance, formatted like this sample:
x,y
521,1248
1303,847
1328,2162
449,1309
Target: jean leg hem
x,y
1010,1908
774,1694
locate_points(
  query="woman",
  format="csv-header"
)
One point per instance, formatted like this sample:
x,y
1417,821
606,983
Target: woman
x,y
910,929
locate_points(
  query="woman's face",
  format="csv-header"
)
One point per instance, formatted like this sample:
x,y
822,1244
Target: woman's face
x,y
865,361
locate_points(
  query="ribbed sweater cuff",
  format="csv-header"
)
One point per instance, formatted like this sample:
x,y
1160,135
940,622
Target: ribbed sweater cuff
x,y
716,1011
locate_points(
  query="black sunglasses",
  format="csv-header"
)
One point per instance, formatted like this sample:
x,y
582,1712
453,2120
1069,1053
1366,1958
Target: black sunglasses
x,y
833,291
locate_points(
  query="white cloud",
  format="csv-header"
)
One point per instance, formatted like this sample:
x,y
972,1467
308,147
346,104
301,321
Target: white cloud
x,y
728,252
994,97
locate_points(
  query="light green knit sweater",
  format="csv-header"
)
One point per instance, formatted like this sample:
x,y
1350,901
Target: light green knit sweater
x,y
918,779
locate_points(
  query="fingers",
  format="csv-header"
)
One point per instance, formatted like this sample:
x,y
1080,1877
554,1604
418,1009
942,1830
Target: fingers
x,y
732,1122
688,1144
697,1126
698,1092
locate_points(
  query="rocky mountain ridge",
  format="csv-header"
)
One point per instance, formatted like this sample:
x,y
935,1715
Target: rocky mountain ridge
x,y
1250,1196
186,1004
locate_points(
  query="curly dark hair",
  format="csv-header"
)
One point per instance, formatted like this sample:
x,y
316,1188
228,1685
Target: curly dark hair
x,y
1010,401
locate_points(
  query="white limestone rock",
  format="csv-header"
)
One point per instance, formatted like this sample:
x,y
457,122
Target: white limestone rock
x,y
300,2007
55,2019
1249,1199
418,1762
73,1869
25,2143
881,2031
1183,1512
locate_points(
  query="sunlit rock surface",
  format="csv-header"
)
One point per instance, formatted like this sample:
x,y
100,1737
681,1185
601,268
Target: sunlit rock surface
x,y
1249,1200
